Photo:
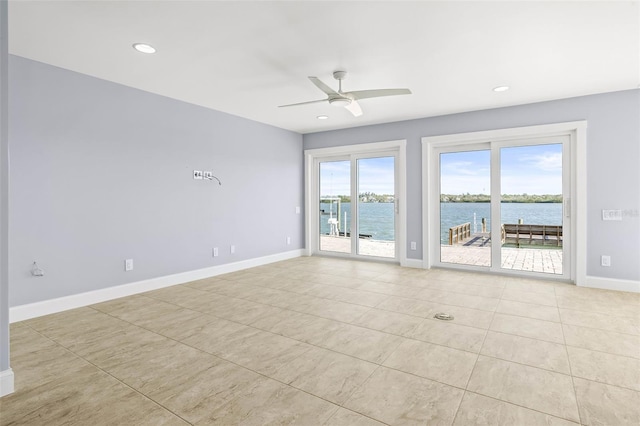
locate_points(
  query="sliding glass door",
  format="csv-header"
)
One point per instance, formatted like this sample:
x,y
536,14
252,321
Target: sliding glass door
x,y
376,207
357,205
334,205
465,207
502,206
531,208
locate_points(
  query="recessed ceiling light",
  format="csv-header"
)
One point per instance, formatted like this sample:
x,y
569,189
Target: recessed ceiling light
x,y
322,117
144,48
501,89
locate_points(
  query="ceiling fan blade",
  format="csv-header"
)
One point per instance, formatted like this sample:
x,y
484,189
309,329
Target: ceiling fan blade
x,y
354,108
320,85
377,93
304,103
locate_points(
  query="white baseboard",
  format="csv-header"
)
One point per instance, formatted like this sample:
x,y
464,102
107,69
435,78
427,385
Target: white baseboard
x,y
613,284
6,382
413,263
46,307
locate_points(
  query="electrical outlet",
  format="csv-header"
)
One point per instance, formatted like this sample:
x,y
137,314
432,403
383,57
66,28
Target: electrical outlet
x,y
215,252
128,265
605,260
197,174
207,175
413,245
232,249
288,240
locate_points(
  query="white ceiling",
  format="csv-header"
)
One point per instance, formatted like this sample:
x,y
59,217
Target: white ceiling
x,y
247,57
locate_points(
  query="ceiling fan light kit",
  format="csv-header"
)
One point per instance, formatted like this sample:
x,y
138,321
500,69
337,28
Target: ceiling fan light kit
x,y
340,102
348,100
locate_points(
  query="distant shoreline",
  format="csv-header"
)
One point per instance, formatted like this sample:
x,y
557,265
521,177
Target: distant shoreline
x,y
504,198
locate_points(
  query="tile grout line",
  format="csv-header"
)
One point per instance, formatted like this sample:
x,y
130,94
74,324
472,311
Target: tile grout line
x,y
215,356
370,307
263,374
361,385
573,383
346,323
520,406
415,287
466,387
378,365
341,322
392,334
331,350
109,374
369,291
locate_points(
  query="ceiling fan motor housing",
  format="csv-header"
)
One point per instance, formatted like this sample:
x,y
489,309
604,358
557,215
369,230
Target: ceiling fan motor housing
x,y
340,74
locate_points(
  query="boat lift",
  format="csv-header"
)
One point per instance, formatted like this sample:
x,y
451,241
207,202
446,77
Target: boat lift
x,y
334,218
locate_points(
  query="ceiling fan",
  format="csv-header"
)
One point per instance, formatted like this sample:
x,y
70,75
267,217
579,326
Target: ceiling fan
x,y
349,100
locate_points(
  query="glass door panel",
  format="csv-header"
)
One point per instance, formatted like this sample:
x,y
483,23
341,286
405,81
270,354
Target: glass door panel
x,y
531,213
334,202
376,210
465,207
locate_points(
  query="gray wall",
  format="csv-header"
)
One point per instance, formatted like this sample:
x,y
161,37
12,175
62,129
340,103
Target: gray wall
x,y
102,172
4,191
613,165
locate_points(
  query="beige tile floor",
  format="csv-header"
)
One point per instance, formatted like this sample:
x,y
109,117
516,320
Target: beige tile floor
x,y
315,341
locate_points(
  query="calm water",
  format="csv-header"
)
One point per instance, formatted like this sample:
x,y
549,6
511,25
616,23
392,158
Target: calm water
x,y
453,214
377,218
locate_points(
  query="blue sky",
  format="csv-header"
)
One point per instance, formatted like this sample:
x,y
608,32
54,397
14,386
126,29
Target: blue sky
x,y
375,175
535,169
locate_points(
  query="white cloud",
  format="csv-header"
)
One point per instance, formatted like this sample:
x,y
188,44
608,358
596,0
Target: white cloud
x,y
375,175
468,168
546,161
456,184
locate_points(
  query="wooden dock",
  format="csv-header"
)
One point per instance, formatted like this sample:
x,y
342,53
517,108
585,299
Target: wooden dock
x,y
523,247
515,234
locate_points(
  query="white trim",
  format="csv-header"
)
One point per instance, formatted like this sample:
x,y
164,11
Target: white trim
x,y
46,307
6,382
350,149
310,214
579,201
311,192
413,263
506,134
401,173
612,284
577,130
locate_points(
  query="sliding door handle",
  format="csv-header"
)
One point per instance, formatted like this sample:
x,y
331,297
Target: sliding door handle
x,y
567,207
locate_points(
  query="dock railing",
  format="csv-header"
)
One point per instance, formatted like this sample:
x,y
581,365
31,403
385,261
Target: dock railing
x,y
521,234
459,233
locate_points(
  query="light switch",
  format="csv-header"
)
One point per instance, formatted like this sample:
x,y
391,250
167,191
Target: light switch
x,y
611,214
